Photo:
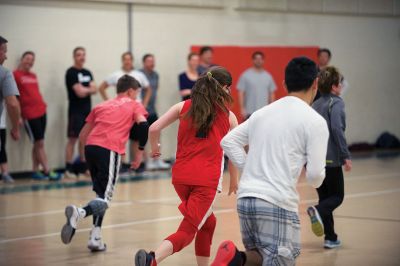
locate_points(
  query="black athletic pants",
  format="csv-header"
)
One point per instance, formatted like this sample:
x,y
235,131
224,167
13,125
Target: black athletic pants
x,y
331,194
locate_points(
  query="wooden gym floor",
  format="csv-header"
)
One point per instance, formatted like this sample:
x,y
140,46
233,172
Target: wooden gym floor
x,y
144,212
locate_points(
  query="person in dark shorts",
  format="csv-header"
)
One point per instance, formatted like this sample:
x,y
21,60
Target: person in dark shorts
x,y
80,87
33,111
103,153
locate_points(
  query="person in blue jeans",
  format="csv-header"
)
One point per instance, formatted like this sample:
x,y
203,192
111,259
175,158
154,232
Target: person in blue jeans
x,y
331,193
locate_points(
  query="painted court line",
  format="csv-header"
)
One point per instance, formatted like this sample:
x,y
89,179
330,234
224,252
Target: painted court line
x,y
178,217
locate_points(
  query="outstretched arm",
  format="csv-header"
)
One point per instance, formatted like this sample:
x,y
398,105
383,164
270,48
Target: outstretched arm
x,y
165,120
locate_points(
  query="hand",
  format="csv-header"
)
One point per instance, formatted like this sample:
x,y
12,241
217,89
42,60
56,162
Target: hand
x,y
20,122
233,189
15,133
348,165
155,151
138,160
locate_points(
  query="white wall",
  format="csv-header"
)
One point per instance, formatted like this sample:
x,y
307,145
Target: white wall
x,y
366,49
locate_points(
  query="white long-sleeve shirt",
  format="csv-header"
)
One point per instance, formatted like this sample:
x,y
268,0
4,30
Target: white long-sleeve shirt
x,y
282,137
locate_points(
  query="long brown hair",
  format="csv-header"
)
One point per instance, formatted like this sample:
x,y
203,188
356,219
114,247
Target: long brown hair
x,y
208,95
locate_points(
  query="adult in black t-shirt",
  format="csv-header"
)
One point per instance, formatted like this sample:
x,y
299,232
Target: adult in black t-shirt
x,y
80,87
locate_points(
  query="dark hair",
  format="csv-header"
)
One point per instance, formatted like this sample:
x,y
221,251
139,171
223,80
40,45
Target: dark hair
x,y
125,54
324,50
190,55
3,40
300,74
146,56
127,82
77,49
328,77
208,95
27,53
257,53
205,49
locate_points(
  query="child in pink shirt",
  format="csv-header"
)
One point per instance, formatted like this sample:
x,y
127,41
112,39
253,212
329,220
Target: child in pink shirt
x,y
104,135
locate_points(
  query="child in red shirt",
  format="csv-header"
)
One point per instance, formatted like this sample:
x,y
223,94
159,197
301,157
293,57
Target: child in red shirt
x,y
104,135
33,111
203,122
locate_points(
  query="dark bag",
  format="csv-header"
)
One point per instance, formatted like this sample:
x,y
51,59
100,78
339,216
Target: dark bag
x,y
387,141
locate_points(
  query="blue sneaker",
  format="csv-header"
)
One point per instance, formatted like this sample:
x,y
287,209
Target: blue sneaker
x,y
39,176
317,226
332,244
54,176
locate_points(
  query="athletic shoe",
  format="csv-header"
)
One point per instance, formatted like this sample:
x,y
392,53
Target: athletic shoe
x,y
162,165
54,176
73,217
151,165
125,168
227,254
317,226
332,244
140,169
39,176
71,175
7,179
95,242
142,258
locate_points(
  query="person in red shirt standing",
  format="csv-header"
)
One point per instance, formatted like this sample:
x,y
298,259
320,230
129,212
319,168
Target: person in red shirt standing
x,y
204,120
33,111
105,135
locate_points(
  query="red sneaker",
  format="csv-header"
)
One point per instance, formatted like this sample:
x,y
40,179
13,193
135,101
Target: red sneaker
x,y
227,255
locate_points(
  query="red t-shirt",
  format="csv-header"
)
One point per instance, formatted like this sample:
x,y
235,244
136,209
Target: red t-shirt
x,y
113,120
199,160
32,103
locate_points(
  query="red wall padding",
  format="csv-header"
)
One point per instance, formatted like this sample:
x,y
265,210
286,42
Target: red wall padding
x,y
238,58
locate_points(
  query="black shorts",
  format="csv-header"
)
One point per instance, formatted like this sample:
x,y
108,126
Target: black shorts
x,y
103,165
133,135
75,124
3,154
36,128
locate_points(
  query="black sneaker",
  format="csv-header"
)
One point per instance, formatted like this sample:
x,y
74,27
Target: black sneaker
x,y
142,258
141,168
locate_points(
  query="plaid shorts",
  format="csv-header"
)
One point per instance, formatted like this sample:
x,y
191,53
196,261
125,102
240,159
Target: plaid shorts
x,y
272,231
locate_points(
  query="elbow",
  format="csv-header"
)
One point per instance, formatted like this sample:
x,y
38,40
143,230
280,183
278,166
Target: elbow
x,y
224,143
154,129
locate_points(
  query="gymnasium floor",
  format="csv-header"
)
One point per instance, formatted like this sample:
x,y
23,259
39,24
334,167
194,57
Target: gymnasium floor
x,y
145,211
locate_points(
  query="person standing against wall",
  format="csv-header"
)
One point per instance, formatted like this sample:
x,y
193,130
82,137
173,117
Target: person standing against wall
x,y
80,87
188,78
33,111
9,92
256,87
206,59
153,77
143,96
5,175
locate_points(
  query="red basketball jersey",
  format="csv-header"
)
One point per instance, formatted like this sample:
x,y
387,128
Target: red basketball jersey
x,y
199,161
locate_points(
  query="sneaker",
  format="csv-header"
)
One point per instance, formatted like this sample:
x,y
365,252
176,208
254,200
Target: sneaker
x,y
95,242
227,254
317,226
141,169
142,258
332,244
70,175
39,176
151,165
7,179
162,165
54,176
73,215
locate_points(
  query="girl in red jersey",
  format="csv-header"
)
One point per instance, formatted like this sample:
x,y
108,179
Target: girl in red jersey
x,y
196,175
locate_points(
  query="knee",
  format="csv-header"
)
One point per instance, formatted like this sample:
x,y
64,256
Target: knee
x,y
39,144
210,224
98,207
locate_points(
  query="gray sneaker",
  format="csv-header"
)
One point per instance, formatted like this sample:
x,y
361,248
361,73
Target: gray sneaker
x,y
332,244
7,179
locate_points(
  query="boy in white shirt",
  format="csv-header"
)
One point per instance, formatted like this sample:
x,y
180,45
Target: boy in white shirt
x,y
283,137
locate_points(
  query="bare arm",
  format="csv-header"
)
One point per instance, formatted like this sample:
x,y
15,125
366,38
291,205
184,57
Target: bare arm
x,y
185,92
271,97
148,92
80,90
14,112
243,111
233,171
102,89
87,128
92,88
165,120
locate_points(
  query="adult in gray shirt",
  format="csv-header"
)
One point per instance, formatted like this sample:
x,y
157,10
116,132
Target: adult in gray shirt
x,y
256,87
8,92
